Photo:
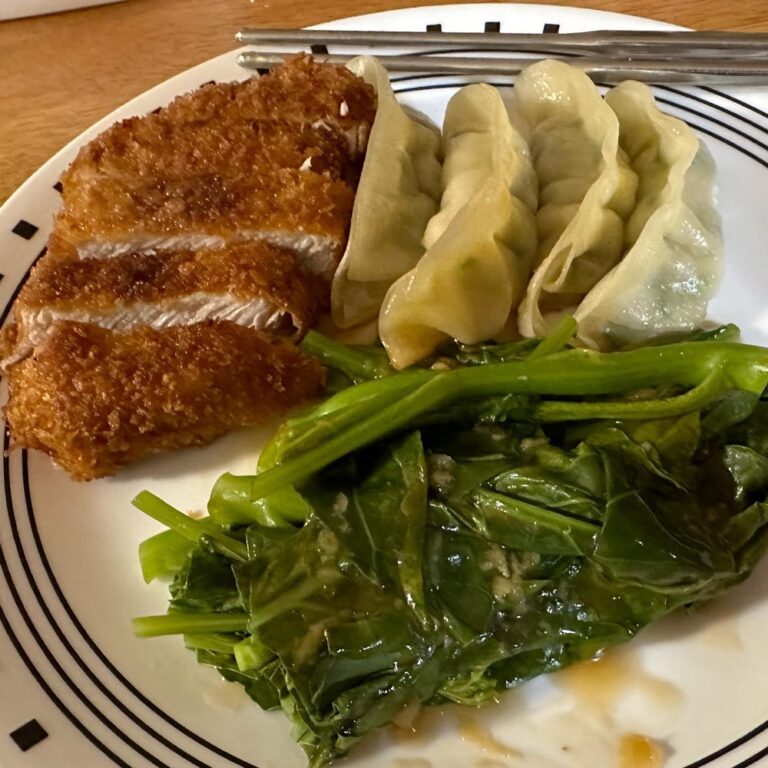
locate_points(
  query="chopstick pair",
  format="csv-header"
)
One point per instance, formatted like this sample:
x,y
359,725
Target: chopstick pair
x,y
715,58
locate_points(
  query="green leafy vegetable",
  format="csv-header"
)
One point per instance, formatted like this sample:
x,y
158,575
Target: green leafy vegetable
x,y
445,534
162,555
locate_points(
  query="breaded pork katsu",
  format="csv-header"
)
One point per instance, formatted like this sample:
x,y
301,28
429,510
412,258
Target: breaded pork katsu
x,y
273,158
95,399
254,284
193,247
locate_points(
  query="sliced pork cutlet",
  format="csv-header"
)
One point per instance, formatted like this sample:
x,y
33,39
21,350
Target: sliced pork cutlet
x,y
151,185
253,284
302,90
95,399
266,159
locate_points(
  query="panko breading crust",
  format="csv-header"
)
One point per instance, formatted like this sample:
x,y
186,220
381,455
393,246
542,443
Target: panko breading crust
x,y
111,217
244,271
270,156
301,90
254,284
94,399
151,175
182,233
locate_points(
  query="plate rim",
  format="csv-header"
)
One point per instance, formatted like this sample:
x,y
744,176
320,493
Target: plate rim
x,y
56,159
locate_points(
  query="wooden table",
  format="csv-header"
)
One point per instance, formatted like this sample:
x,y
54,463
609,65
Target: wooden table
x,y
60,73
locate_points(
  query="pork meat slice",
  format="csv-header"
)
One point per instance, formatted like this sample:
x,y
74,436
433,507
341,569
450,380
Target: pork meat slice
x,y
264,159
254,284
155,185
95,399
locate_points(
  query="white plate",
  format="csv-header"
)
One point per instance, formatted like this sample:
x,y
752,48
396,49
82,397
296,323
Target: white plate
x,y
70,581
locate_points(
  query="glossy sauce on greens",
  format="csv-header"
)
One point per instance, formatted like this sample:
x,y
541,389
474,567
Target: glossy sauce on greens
x,y
521,560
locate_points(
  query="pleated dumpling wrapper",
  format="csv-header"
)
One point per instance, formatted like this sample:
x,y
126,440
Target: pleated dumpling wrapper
x,y
480,245
586,189
398,192
665,281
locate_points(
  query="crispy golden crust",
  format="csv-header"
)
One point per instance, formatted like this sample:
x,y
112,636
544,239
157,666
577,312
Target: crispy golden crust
x,y
227,207
302,89
219,146
9,336
216,167
246,271
272,153
94,399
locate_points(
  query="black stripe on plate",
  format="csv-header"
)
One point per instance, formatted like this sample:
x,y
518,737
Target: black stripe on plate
x,y
752,760
732,98
729,747
694,97
730,143
715,121
434,27
551,29
492,26
23,654
98,652
318,48
92,676
36,634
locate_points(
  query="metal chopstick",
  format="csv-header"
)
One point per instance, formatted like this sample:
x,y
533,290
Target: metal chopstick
x,y
607,40
603,69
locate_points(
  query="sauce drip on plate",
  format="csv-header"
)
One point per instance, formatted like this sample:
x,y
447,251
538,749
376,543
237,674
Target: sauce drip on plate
x,y
417,724
411,762
471,731
601,682
636,751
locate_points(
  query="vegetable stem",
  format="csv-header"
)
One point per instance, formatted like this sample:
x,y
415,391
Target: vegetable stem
x,y
189,624
555,341
353,362
213,641
250,653
194,530
573,372
339,412
693,400
264,613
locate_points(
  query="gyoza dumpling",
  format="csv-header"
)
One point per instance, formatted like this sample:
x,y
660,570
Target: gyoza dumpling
x,y
399,191
663,284
586,188
480,245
